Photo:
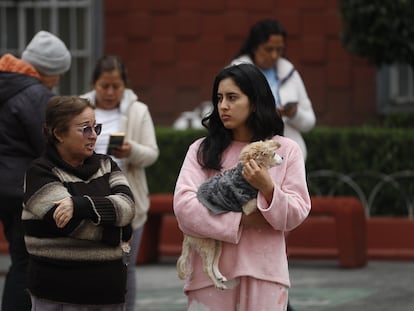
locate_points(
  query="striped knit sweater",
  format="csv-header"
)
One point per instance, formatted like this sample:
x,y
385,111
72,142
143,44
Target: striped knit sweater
x,y
80,263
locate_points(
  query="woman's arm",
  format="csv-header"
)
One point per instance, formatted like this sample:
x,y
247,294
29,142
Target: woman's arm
x,y
194,218
304,118
290,204
63,212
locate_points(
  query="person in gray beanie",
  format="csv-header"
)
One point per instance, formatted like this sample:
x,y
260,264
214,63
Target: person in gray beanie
x,y
25,87
48,55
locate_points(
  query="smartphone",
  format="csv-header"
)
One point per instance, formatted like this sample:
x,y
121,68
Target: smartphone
x,y
115,140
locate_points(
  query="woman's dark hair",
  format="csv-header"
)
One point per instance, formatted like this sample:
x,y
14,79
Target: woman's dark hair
x,y
108,63
260,33
264,122
60,111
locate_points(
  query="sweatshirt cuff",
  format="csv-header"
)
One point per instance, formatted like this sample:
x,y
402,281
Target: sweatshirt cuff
x,y
82,209
104,210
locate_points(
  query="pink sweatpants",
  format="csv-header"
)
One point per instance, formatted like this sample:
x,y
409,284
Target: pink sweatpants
x,y
250,295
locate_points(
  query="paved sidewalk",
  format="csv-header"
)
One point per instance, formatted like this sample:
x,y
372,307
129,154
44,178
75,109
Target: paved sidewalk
x,y
316,286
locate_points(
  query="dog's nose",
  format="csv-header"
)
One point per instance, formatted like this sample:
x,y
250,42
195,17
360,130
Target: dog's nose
x,y
278,159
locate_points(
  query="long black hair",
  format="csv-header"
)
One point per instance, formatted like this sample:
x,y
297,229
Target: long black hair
x,y
264,122
260,33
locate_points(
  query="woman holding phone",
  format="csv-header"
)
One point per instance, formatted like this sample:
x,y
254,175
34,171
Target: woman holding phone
x,y
264,47
120,112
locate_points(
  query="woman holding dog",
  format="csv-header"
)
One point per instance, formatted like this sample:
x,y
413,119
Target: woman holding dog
x,y
254,248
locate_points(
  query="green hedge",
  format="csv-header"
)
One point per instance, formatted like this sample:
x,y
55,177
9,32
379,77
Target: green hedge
x,y
378,160
347,150
368,152
173,146
381,30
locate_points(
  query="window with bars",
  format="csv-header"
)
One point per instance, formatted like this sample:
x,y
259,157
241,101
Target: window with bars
x,y
395,89
77,22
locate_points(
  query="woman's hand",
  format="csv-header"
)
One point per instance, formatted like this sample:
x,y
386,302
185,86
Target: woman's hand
x,y
64,212
123,151
253,220
259,178
289,110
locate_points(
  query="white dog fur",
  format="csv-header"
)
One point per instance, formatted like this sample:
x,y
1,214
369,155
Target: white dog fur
x,y
230,182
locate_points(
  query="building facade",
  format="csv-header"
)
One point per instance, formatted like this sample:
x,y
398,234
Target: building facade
x,y
174,48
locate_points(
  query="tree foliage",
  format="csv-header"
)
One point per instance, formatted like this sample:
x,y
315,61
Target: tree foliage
x,y
380,30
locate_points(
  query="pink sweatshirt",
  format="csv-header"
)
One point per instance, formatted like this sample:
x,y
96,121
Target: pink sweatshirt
x,y
259,253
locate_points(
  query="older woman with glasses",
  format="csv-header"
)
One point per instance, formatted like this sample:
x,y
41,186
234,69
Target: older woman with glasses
x,y
77,215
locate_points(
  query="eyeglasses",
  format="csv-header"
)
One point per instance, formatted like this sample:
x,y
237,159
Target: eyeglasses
x,y
87,130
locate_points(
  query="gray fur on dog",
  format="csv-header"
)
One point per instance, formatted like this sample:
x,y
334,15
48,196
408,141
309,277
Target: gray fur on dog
x,y
229,191
226,192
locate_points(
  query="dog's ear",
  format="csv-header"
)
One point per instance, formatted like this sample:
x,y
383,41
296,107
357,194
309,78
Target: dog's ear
x,y
273,145
244,154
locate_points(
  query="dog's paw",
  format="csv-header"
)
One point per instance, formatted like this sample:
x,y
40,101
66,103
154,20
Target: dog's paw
x,y
250,206
221,286
227,284
222,279
231,283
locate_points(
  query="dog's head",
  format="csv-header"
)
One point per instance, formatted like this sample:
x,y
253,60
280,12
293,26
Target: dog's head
x,y
263,152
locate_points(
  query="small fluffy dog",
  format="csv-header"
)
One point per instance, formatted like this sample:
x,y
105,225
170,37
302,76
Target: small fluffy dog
x,y
222,193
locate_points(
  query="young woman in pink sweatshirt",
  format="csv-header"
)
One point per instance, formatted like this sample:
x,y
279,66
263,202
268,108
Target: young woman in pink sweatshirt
x,y
254,248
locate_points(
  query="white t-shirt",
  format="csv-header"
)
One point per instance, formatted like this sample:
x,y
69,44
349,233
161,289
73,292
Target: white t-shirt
x,y
110,124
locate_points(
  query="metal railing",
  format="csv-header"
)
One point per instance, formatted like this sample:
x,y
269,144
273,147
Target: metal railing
x,y
373,189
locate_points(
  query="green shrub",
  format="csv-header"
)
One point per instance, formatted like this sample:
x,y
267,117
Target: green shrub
x,y
173,146
370,157
348,150
380,30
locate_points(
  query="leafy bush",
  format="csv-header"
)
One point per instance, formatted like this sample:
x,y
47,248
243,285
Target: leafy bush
x,y
399,120
347,150
378,160
173,146
380,30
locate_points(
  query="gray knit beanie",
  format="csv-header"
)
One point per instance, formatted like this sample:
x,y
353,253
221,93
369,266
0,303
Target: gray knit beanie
x,y
48,54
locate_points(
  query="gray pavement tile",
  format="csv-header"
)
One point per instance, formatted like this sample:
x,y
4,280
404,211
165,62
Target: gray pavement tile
x,y
316,286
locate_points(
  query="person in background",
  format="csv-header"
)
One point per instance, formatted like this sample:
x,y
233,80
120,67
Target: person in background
x,y
254,249
77,216
264,47
119,110
25,88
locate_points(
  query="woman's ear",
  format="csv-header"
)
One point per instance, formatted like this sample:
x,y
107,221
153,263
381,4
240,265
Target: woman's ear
x,y
57,136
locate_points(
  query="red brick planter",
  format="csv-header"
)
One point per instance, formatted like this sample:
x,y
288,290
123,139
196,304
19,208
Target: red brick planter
x,y
390,238
336,228
317,238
